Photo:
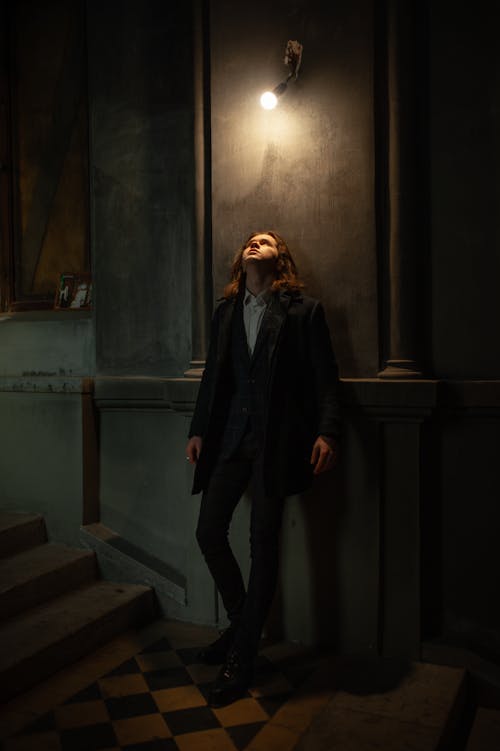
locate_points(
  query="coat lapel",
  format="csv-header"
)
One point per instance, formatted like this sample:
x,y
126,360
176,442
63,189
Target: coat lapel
x,y
223,350
272,324
269,332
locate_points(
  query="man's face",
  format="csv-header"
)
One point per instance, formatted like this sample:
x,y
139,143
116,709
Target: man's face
x,y
260,249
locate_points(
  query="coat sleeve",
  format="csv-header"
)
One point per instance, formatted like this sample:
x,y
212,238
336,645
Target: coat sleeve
x,y
199,422
326,375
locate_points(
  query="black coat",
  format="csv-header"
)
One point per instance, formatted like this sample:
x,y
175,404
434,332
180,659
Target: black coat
x,y
303,386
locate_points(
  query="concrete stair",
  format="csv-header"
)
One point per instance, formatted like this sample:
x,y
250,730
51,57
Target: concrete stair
x,y
20,531
53,607
40,573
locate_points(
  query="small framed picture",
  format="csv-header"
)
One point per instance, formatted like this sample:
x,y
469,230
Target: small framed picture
x,y
74,292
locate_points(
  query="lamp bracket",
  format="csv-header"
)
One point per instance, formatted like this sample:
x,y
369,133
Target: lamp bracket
x,y
293,57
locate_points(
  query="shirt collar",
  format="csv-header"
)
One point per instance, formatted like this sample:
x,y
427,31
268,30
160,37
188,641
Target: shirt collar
x,y
261,299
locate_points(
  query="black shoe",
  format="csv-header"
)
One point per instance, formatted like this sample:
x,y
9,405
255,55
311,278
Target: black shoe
x,y
216,653
233,680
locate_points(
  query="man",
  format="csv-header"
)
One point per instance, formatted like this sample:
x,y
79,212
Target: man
x,y
266,414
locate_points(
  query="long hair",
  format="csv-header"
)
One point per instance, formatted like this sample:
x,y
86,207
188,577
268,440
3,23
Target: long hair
x,y
286,271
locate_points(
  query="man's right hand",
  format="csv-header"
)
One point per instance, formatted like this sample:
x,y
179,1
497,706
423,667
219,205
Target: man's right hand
x,y
193,449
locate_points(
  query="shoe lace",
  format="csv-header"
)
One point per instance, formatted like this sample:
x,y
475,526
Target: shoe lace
x,y
232,661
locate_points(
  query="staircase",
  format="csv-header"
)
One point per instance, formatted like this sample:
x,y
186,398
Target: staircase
x,y
54,608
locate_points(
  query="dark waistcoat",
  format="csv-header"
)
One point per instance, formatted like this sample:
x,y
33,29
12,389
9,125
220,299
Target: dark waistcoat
x,y
249,400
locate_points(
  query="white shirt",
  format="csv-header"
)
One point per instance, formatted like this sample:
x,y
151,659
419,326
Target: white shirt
x,y
254,307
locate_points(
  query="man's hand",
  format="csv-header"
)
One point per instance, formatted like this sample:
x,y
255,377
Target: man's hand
x,y
324,454
193,449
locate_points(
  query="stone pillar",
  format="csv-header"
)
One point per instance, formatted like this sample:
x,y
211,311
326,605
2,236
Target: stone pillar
x,y
201,275
401,177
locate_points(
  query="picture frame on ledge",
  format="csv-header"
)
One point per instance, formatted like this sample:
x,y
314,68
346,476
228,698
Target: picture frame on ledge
x,y
74,292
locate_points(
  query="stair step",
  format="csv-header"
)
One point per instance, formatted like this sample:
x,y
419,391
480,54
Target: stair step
x,y
20,531
41,573
381,705
485,733
42,640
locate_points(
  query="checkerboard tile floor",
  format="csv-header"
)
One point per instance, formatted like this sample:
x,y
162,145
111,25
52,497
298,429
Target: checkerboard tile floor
x,y
157,701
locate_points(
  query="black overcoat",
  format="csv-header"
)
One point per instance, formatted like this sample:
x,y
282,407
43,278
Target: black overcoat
x,y
302,391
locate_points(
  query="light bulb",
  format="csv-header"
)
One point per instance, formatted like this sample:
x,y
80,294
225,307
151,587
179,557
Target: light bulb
x,y
269,100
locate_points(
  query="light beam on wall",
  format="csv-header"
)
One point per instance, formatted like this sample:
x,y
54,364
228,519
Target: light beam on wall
x,y
293,58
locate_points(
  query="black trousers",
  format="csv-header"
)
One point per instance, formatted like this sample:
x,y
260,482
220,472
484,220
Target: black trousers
x,y
247,609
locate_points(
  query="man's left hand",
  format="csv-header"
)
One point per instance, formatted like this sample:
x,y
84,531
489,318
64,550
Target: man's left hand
x,y
324,454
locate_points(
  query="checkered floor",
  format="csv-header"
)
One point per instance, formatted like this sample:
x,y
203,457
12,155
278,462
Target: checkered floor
x,y
157,701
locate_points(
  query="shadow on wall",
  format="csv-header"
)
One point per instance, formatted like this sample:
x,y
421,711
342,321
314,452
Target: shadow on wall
x,y
324,510
305,606
328,594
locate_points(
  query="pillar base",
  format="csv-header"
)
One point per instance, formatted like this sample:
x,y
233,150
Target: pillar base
x,y
195,370
400,369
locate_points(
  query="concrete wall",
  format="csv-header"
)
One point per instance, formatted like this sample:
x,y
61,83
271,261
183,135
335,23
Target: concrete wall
x,y
44,359
464,189
41,459
141,157
306,168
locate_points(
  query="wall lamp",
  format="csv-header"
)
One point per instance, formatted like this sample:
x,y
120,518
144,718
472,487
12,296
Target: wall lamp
x,y
293,58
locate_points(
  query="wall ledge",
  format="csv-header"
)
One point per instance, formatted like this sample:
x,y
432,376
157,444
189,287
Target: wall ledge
x,y
179,393
420,394
35,383
116,392
23,316
120,560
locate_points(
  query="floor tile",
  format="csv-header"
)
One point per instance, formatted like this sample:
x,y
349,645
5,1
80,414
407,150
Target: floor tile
x,y
168,678
241,735
68,681
129,666
189,720
206,740
161,645
158,744
134,705
122,685
203,673
80,714
43,724
241,712
182,697
156,700
89,738
87,694
271,704
273,737
34,742
141,729
270,684
158,660
182,635
205,690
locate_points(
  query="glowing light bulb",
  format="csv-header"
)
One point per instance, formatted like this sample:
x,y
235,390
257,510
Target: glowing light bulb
x,y
269,100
